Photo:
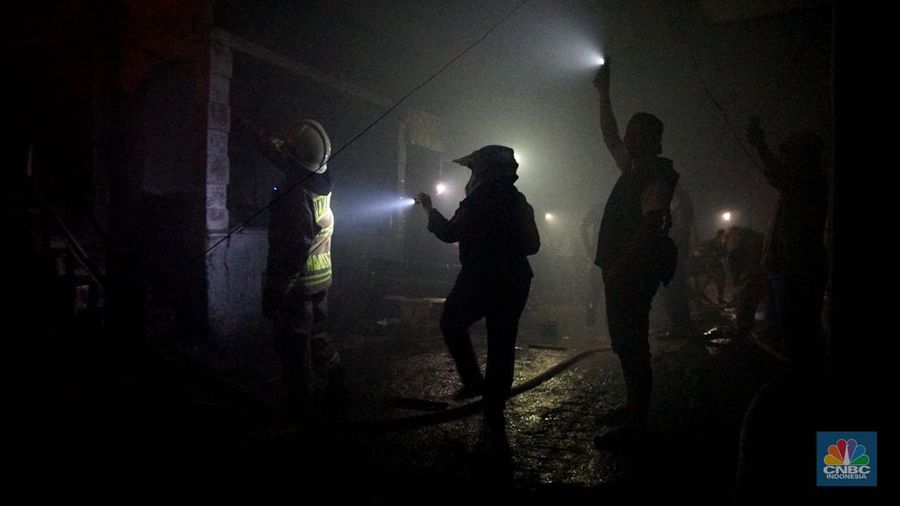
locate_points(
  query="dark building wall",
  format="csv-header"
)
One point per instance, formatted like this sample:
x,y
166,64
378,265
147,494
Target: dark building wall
x,y
128,109
271,91
157,170
110,104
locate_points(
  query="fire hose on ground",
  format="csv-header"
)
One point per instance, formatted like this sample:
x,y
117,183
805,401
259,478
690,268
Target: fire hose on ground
x,y
458,412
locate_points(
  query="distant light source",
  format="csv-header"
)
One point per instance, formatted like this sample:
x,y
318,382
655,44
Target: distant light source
x,y
726,216
600,60
440,188
407,201
549,216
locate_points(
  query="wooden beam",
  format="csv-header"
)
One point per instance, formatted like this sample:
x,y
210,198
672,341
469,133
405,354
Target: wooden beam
x,y
267,55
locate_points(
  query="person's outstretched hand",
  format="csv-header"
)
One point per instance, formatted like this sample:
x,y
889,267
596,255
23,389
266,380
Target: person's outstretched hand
x,y
424,200
601,78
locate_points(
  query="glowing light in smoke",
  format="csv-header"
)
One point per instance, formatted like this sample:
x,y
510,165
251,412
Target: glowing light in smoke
x,y
549,216
586,55
726,216
389,205
440,188
376,204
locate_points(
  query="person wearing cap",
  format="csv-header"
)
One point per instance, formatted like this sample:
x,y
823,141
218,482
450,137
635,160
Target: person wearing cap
x,y
495,228
635,254
298,269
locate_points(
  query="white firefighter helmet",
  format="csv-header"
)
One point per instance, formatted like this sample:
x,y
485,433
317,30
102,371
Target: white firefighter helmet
x,y
309,145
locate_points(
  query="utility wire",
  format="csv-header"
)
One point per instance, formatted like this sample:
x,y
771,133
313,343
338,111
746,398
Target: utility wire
x,y
799,49
706,90
358,135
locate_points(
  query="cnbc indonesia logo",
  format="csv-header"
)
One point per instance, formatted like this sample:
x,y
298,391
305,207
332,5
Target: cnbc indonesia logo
x,y
846,460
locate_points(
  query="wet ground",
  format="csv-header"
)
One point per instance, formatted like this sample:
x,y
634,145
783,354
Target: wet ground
x,y
702,389
399,437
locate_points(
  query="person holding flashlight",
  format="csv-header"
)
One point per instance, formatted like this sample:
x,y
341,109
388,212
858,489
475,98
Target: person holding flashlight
x,y
495,228
795,257
635,255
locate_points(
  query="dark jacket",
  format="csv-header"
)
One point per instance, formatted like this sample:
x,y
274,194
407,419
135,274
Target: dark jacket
x,y
797,238
300,229
623,215
496,232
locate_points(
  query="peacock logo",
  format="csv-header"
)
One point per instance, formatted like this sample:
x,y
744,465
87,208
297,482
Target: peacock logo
x,y
846,459
846,452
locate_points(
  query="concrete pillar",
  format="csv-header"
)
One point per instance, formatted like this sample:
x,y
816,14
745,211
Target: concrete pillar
x,y
218,128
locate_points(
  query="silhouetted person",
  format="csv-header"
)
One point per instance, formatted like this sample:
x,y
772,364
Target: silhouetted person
x,y
634,252
495,228
744,251
795,257
676,292
298,268
594,300
788,408
705,266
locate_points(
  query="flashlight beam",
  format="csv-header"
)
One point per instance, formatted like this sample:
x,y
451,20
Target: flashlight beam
x,y
358,135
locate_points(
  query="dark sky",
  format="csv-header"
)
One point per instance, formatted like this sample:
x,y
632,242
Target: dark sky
x,y
528,84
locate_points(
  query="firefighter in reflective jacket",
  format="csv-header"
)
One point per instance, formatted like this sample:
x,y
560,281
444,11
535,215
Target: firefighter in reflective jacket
x,y
298,270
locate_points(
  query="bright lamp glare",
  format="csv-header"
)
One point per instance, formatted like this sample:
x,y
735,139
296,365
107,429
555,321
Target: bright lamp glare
x,y
440,188
726,216
591,57
383,205
548,216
